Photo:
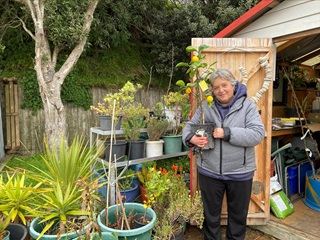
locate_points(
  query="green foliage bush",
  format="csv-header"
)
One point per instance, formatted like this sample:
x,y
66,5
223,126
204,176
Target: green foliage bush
x,y
72,92
31,97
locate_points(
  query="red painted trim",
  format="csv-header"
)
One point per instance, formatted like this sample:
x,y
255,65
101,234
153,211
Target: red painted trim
x,y
244,18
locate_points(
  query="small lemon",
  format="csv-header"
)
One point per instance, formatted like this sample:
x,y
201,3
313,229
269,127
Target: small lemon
x,y
195,59
209,99
188,90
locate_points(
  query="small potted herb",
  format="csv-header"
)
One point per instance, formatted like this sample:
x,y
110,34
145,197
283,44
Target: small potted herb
x,y
155,129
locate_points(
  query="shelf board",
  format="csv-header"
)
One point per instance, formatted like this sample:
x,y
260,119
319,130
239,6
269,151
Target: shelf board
x,y
142,160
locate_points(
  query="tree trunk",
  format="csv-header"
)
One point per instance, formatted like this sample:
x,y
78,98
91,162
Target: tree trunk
x,y
49,78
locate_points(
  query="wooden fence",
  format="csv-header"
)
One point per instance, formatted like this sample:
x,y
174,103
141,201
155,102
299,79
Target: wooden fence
x,y
25,130
11,97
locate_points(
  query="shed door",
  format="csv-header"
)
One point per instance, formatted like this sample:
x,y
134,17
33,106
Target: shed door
x,y
233,53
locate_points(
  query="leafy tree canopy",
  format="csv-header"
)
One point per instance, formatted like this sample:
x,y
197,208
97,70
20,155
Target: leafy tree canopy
x,y
155,34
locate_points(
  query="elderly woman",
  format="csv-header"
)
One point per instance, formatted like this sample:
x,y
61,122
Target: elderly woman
x,y
229,166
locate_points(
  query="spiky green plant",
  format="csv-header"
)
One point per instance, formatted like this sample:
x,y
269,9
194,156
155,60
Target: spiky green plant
x,y
16,197
64,167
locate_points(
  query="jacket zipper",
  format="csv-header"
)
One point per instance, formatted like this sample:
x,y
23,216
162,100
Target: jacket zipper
x,y
244,156
221,150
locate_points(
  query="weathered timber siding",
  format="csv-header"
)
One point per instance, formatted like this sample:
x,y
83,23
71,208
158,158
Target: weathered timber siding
x,y
79,120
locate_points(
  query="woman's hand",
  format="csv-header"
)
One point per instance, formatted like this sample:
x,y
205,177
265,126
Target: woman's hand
x,y
218,133
199,141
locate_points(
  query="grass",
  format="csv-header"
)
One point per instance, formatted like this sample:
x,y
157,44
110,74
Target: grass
x,y
18,162
22,163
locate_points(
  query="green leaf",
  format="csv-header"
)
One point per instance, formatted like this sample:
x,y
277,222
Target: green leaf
x,y
212,65
180,83
202,47
193,84
182,64
191,49
203,65
192,74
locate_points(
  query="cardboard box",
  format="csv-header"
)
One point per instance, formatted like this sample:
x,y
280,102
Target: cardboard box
x,y
314,117
314,127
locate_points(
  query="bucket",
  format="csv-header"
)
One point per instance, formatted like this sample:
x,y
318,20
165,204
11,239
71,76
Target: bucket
x,y
142,233
312,198
154,148
173,115
293,179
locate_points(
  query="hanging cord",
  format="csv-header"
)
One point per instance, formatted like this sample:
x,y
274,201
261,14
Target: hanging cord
x,y
263,61
301,115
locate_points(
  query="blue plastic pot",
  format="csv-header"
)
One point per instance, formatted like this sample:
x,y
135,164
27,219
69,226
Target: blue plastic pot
x,y
129,195
312,199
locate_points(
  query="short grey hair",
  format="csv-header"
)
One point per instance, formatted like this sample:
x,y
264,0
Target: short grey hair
x,y
223,73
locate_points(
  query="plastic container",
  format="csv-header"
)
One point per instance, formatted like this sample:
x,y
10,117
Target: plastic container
x,y
17,231
293,179
316,105
302,169
141,233
312,198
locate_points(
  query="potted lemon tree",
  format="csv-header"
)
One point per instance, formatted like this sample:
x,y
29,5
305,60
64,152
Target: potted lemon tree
x,y
198,72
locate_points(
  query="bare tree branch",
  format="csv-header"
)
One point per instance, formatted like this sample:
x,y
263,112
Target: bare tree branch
x,y
26,29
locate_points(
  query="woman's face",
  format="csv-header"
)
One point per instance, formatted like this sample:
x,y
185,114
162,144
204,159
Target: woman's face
x,y
223,90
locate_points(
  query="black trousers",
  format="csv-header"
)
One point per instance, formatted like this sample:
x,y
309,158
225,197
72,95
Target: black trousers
x,y
238,198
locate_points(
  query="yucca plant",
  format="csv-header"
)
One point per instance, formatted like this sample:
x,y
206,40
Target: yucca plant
x,y
64,167
16,197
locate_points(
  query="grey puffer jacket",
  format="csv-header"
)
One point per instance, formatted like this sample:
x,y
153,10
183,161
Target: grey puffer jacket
x,y
243,130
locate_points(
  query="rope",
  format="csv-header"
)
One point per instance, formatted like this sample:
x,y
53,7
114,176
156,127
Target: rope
x,y
263,61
